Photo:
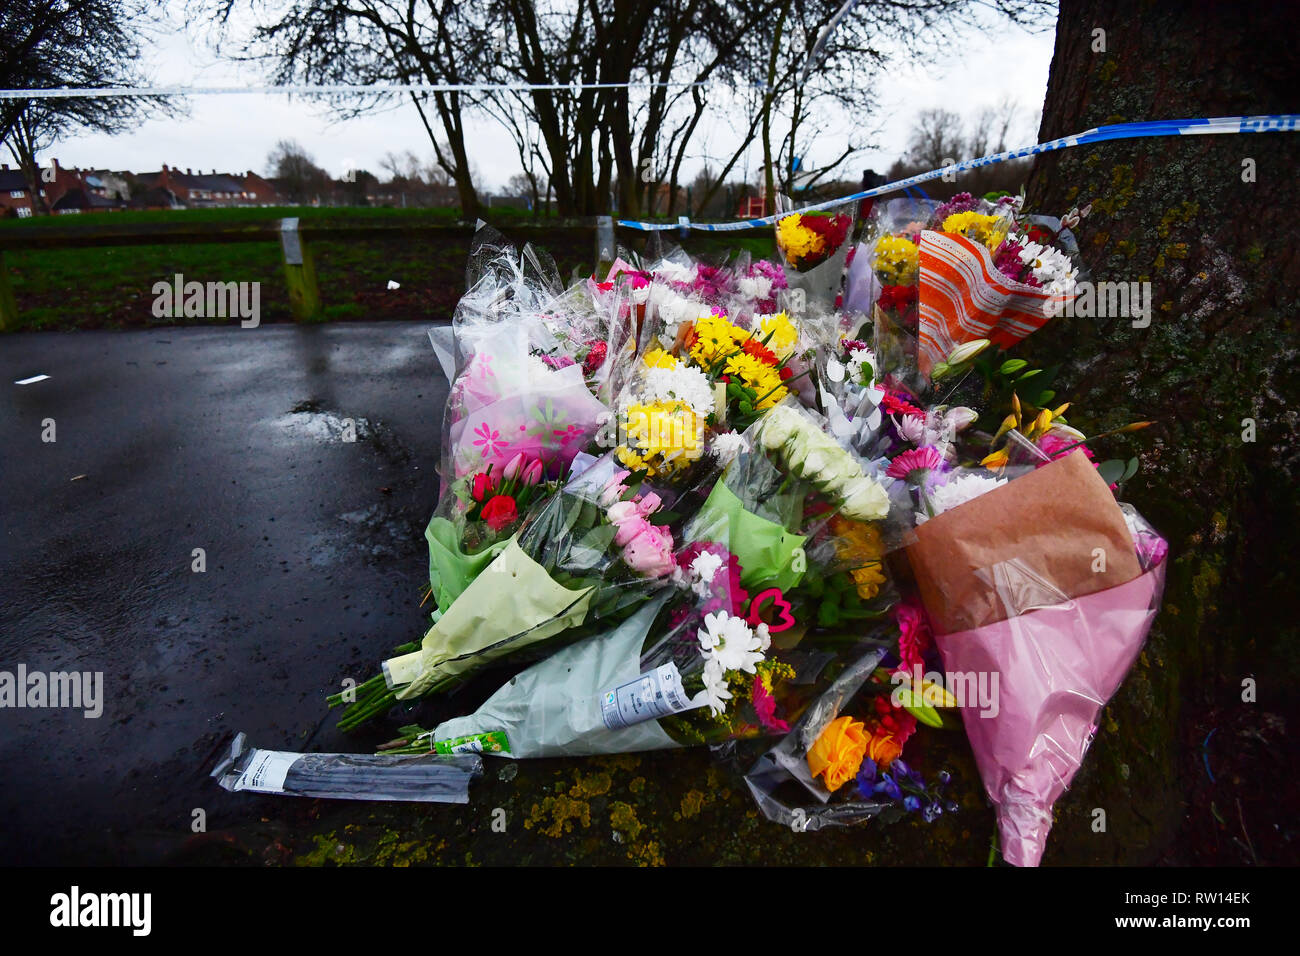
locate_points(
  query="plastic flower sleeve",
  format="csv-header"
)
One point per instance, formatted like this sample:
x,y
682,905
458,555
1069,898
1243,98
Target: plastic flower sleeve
x,y
429,778
507,400
771,777
1053,664
557,707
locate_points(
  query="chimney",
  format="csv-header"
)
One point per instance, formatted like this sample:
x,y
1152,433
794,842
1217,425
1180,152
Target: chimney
x,y
188,171
248,174
164,167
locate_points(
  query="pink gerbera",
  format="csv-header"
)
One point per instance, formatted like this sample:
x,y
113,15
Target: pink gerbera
x,y
914,462
765,707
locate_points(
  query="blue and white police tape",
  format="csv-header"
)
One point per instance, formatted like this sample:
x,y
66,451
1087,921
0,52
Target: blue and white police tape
x,y
1276,123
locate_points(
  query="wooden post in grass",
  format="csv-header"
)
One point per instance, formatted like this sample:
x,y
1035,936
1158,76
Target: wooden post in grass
x,y
604,246
299,273
8,304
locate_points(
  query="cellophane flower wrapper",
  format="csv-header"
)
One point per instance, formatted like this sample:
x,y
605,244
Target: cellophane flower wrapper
x,y
1056,629
517,387
427,778
780,781
814,247
562,569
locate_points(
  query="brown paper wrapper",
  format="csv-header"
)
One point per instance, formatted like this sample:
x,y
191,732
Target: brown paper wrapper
x,y
1049,521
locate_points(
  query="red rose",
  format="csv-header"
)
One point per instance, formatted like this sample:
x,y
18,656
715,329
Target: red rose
x,y
483,485
500,512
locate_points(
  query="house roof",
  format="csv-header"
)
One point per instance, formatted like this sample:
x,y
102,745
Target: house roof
x,y
11,179
82,199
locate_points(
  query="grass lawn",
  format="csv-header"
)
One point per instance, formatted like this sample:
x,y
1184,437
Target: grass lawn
x,y
111,287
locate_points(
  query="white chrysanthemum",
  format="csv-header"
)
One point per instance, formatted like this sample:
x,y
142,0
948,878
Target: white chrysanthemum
x,y
685,383
755,287
674,272
958,491
730,642
728,446
706,565
865,362
1050,266
715,693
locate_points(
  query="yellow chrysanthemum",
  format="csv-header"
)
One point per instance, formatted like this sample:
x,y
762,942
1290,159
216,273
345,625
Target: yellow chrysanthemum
x,y
897,260
795,240
658,358
662,437
715,337
784,335
989,230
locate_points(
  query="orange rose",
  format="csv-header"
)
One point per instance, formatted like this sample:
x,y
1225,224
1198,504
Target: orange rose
x,y
883,748
838,752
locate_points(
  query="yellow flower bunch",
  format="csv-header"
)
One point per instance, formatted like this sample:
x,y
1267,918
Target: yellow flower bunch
x,y
860,545
795,240
989,230
897,260
662,437
762,378
784,335
715,336
658,358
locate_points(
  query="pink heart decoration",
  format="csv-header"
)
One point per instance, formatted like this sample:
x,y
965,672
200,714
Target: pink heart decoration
x,y
781,605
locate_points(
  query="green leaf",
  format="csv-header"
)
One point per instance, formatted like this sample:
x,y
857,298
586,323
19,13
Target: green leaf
x,y
1044,397
1131,470
1012,366
1111,471
1030,374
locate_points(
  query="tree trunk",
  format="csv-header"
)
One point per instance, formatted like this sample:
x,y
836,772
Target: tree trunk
x,y
1217,360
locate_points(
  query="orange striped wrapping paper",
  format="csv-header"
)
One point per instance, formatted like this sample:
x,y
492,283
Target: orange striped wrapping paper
x,y
963,297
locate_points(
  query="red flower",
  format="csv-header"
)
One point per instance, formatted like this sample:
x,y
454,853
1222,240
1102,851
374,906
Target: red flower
x,y
831,228
483,485
595,357
786,373
895,404
897,298
759,351
500,512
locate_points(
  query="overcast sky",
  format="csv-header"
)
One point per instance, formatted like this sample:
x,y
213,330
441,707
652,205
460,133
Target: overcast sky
x,y
236,132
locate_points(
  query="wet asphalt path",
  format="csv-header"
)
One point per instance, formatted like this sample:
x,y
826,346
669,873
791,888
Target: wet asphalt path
x,y
223,439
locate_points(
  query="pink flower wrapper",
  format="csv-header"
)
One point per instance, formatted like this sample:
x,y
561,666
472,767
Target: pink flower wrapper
x,y
1056,667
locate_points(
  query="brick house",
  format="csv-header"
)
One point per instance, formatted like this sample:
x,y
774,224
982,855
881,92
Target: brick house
x,y
198,190
15,193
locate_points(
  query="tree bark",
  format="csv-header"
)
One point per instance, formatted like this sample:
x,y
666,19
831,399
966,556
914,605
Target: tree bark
x,y
1219,353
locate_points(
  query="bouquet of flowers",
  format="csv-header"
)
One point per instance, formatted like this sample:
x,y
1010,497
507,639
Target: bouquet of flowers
x,y
736,648
718,567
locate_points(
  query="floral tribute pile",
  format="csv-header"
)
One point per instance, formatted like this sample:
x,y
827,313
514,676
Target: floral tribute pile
x,y
701,504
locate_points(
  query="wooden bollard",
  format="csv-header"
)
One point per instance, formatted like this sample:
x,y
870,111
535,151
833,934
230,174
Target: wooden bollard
x,y
299,273
8,304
